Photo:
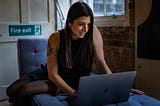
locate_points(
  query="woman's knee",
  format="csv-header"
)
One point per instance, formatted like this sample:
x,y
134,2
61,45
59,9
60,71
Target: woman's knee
x,y
8,91
15,87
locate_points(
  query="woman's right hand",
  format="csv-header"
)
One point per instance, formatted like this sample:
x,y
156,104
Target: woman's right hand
x,y
74,93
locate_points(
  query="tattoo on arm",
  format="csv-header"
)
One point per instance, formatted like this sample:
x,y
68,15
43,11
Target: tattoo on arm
x,y
50,50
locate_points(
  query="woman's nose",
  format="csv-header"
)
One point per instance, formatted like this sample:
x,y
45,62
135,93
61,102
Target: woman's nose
x,y
85,28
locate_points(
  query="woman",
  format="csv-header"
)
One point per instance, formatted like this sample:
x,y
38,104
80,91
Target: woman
x,y
70,55
71,51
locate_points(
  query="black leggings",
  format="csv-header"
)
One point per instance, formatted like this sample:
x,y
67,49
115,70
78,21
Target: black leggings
x,y
21,90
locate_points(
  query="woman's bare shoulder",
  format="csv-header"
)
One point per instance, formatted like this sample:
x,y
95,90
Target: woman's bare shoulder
x,y
54,39
54,36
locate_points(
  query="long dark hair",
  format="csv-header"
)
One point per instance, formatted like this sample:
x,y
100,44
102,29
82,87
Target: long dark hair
x,y
77,10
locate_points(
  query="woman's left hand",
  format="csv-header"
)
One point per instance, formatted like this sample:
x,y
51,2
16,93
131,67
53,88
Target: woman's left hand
x,y
136,91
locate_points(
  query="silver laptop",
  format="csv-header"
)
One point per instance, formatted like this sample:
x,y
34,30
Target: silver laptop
x,y
98,90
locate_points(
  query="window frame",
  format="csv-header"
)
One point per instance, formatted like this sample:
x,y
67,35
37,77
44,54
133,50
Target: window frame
x,y
102,21
111,21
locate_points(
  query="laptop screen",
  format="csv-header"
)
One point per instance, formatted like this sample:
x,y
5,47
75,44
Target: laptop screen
x,y
105,89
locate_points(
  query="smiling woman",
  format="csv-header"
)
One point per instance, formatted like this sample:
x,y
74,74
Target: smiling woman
x,y
80,41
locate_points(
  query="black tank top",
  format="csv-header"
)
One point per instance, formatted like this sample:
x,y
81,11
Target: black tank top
x,y
71,76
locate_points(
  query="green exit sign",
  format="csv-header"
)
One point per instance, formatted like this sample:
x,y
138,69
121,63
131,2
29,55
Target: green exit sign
x,y
24,30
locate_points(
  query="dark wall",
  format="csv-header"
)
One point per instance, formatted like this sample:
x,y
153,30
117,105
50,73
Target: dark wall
x,y
119,44
149,34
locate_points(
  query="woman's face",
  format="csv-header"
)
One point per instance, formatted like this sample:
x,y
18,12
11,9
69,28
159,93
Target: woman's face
x,y
80,27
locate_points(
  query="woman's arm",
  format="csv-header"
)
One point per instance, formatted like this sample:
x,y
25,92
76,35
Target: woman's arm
x,y
99,52
52,65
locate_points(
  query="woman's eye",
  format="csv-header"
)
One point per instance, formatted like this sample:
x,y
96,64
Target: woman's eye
x,y
80,24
